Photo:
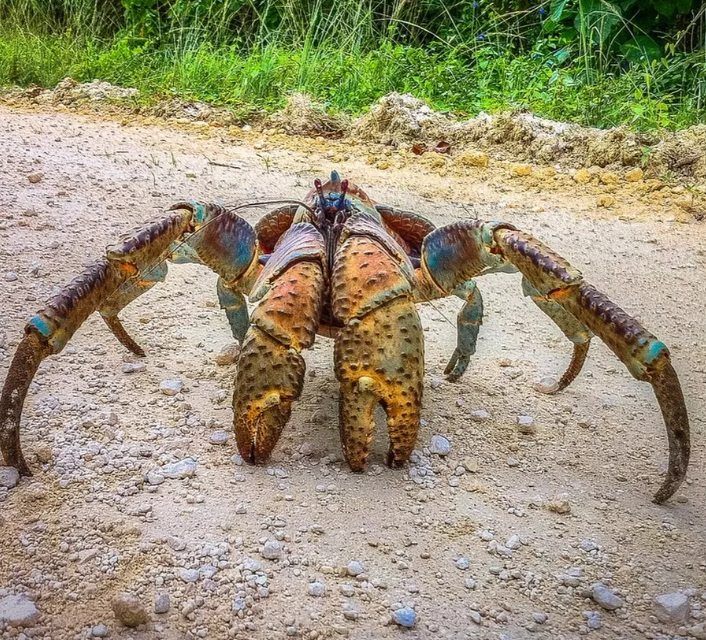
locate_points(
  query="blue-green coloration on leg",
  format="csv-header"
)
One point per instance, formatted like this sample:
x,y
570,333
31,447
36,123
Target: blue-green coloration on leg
x,y
236,308
468,322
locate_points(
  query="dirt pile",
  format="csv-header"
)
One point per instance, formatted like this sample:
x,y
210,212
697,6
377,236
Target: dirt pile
x,y
68,91
400,120
303,116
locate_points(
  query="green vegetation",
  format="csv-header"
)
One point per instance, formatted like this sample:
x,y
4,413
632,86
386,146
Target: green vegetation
x,y
597,62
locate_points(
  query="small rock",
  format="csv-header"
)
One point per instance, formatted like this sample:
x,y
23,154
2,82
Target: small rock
x,y
133,367
605,201
473,159
355,568
129,610
480,415
539,617
18,611
672,607
463,564
520,170
317,589
189,575
435,382
272,550
608,177
350,612
588,546
525,425
604,597
99,631
440,445
347,590
593,619
471,465
9,477
252,565
475,617
176,470
44,454
218,437
171,387
470,584
560,505
162,602
582,176
154,478
634,175
10,276
229,354
34,178
405,617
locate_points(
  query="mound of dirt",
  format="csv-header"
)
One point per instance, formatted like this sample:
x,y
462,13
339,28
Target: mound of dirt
x,y
399,120
68,91
303,116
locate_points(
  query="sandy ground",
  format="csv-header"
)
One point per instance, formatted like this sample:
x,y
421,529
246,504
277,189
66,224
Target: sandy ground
x,y
88,525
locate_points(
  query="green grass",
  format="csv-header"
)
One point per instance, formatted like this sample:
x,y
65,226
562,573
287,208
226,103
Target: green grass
x,y
346,59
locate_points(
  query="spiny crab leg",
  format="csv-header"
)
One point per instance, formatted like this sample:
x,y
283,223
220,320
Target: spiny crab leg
x,y
461,251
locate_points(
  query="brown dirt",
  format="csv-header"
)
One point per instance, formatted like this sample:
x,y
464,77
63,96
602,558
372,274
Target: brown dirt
x,y
601,442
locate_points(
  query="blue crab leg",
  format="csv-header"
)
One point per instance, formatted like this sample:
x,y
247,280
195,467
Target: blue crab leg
x,y
461,251
468,323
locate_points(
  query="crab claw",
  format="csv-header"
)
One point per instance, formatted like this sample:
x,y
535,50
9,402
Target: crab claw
x,y
270,377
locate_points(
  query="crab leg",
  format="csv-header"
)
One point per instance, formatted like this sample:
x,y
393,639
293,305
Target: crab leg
x,y
576,332
131,267
458,252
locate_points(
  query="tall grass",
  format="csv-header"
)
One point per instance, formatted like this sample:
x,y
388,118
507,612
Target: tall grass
x,y
252,53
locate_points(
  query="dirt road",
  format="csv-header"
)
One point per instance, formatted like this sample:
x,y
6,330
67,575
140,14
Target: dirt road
x,y
466,540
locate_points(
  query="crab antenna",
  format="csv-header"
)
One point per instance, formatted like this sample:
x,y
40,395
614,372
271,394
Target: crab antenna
x,y
322,197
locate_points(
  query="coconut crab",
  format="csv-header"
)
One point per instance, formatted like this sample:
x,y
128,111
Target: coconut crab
x,y
341,265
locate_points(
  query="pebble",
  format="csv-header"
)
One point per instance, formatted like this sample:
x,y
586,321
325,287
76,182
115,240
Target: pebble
x,y
672,607
177,470
272,550
11,276
463,564
588,546
582,176
634,175
355,568
475,616
350,612
154,478
129,610
18,611
560,505
218,437
405,617
171,387
189,575
9,477
520,170
252,565
435,382
539,617
133,367
347,590
525,425
440,445
34,178
593,619
317,589
480,415
99,631
229,354
473,159
604,597
162,602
